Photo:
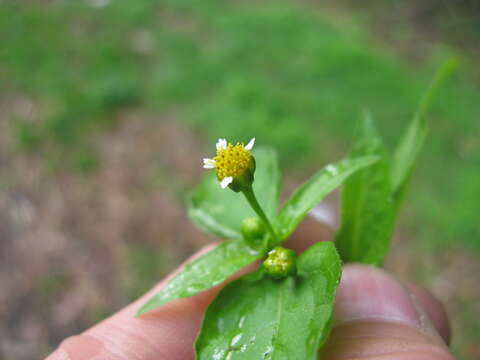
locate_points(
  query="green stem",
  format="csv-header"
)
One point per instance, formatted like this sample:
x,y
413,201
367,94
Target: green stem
x,y
252,200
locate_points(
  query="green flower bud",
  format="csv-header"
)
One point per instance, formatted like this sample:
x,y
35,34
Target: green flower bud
x,y
253,230
281,263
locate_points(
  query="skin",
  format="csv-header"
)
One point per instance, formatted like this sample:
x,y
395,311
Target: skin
x,y
376,317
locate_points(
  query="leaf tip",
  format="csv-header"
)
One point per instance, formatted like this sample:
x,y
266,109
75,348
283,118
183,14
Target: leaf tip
x,y
141,311
146,307
452,64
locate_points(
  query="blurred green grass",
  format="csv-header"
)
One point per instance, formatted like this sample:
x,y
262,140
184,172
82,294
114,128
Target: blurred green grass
x,y
283,73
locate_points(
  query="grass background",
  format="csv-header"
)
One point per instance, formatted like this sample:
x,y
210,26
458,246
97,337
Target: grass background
x,y
294,75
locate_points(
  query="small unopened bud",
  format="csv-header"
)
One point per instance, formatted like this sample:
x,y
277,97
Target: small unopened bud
x,y
253,230
281,263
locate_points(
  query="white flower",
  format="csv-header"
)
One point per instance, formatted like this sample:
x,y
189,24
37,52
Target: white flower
x,y
231,161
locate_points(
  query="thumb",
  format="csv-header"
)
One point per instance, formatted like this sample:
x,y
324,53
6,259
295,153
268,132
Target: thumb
x,y
377,318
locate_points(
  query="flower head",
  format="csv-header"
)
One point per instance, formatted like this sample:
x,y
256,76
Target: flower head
x,y
280,263
234,164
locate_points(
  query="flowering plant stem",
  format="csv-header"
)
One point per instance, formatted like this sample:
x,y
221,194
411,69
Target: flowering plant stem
x,y
252,200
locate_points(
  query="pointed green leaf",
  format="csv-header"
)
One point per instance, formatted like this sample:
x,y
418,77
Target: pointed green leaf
x,y
367,212
307,196
205,272
409,147
371,197
256,317
221,211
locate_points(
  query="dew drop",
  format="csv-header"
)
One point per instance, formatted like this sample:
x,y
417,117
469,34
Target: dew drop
x,y
235,340
332,170
241,322
219,354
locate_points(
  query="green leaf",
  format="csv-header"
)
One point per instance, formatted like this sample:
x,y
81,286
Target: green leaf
x,y
205,272
221,211
371,197
256,317
314,190
409,147
367,209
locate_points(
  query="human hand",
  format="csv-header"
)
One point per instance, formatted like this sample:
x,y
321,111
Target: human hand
x,y
376,317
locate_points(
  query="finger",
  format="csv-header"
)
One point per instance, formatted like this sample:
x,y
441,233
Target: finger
x,y
377,318
165,333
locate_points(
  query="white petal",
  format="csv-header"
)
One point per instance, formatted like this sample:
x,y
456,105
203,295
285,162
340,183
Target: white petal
x,y
250,144
226,181
208,163
221,144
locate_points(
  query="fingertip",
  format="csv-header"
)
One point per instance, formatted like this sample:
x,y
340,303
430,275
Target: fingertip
x,y
381,340
376,317
367,292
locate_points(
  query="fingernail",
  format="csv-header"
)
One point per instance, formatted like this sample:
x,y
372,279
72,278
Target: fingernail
x,y
80,347
370,293
426,323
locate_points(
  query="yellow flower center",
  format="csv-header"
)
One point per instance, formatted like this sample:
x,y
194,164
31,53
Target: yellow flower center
x,y
232,161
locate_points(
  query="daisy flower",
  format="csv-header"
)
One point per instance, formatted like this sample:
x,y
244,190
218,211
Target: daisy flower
x,y
234,164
